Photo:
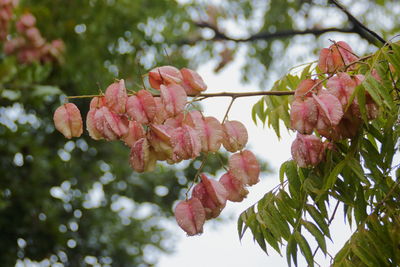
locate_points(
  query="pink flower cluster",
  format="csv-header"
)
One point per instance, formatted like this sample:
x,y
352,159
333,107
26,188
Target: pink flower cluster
x,y
160,128
328,111
29,45
6,14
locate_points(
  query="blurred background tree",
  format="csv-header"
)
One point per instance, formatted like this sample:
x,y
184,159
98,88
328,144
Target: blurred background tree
x,y
76,201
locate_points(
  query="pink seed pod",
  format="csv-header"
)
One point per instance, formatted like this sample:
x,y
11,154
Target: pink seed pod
x,y
212,195
68,121
160,139
164,75
244,167
135,132
161,114
186,143
141,107
235,136
307,87
109,124
192,82
142,158
335,57
116,96
95,104
26,21
342,86
210,132
307,150
330,110
304,115
174,99
190,216
235,188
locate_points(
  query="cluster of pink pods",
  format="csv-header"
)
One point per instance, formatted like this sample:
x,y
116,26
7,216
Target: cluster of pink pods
x,y
161,128
30,46
327,110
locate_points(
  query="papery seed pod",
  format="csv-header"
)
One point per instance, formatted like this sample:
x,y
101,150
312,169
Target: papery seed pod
x,y
348,127
342,86
330,110
109,124
190,216
135,132
335,57
67,120
212,195
141,107
235,188
164,75
307,87
142,159
174,99
245,167
116,96
304,115
307,150
161,114
192,82
160,140
95,104
211,134
235,136
185,143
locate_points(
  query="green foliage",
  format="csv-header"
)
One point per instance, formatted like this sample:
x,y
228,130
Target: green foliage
x,y
358,174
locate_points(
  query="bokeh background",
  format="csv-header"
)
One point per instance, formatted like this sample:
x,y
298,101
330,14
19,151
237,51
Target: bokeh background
x,y
77,202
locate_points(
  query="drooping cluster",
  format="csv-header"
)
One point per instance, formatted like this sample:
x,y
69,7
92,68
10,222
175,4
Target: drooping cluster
x,y
160,127
326,105
6,15
30,46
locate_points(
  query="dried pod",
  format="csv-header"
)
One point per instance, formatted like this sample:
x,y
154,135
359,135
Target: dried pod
x,y
112,126
342,86
185,142
141,107
235,136
67,120
212,195
174,99
192,82
142,158
244,167
235,188
330,110
135,132
161,114
304,115
164,75
95,104
116,96
307,87
307,150
335,57
190,216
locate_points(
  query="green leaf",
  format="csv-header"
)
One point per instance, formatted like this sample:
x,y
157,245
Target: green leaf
x,y
319,237
305,248
330,181
291,251
319,219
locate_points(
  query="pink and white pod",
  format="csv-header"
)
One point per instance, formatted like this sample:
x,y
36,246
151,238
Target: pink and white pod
x,y
164,75
307,87
135,132
342,86
174,99
192,82
211,133
212,195
95,104
160,139
185,142
141,107
161,114
235,136
141,158
68,120
330,110
112,126
116,96
307,150
304,115
190,216
245,167
235,188
335,57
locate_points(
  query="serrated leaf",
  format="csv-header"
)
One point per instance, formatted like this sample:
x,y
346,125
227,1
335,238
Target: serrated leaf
x,y
319,219
304,247
319,237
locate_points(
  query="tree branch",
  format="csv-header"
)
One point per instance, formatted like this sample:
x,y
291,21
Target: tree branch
x,y
357,24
